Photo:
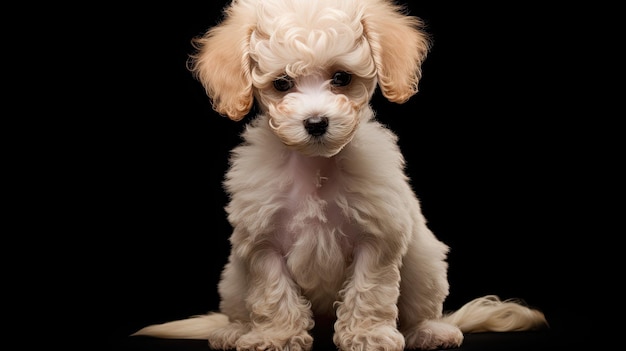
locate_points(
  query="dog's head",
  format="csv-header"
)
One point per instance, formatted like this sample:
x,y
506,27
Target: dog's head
x,y
312,66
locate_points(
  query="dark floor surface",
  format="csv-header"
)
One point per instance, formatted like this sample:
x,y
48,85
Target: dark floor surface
x,y
512,341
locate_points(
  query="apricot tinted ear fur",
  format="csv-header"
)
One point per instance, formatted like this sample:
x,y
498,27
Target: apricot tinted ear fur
x,y
399,46
221,63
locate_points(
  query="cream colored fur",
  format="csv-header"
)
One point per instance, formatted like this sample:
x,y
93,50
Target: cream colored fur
x,y
325,222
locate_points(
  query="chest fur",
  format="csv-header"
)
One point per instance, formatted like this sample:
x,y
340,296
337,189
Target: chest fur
x,y
317,237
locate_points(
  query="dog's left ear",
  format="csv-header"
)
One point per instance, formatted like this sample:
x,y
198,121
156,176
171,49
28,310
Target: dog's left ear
x,y
399,46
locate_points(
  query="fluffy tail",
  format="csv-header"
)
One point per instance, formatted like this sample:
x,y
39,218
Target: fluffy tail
x,y
490,314
196,327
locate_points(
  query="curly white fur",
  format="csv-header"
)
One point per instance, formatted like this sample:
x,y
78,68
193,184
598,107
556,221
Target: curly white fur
x,y
325,221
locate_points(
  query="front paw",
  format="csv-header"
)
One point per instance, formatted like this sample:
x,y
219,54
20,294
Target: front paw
x,y
275,340
379,338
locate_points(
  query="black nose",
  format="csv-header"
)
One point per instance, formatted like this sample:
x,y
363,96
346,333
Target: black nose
x,y
316,126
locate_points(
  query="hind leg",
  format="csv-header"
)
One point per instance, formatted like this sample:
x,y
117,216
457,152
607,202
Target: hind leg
x,y
424,287
431,335
225,338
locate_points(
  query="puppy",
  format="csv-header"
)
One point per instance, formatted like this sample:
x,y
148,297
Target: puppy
x,y
325,222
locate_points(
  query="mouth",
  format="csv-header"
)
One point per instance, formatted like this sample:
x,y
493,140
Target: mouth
x,y
317,146
317,135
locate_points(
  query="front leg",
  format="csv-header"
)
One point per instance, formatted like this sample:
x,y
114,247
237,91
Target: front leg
x,y
367,314
280,317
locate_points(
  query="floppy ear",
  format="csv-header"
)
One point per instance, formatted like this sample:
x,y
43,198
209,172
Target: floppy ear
x,y
399,46
221,63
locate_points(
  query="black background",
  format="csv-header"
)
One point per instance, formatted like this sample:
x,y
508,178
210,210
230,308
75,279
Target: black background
x,y
486,140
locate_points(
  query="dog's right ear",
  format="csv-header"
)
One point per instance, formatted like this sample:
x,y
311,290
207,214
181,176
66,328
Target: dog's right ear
x,y
221,63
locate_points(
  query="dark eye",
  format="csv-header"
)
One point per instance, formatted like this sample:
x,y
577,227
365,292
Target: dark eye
x,y
341,79
283,83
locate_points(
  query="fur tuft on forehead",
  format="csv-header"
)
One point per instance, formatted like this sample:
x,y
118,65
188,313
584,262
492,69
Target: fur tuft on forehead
x,y
306,36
